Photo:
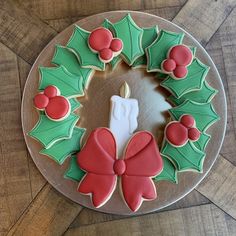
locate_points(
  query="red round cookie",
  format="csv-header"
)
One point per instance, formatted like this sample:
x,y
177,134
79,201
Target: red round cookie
x,y
99,39
106,54
116,45
193,134
119,167
180,71
176,134
41,101
187,120
57,108
181,54
169,65
51,91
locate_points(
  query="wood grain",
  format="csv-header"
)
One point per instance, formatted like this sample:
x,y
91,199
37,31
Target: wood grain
x,y
88,216
26,26
202,220
202,23
15,189
55,9
22,32
219,186
50,214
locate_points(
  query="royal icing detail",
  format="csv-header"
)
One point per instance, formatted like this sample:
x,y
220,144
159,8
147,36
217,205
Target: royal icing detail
x,y
56,107
117,153
49,132
123,117
149,35
64,57
178,133
64,148
193,81
140,162
131,35
101,41
178,59
157,51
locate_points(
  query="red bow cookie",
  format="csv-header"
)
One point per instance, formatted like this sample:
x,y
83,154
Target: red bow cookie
x,y
56,107
177,133
179,57
141,162
102,42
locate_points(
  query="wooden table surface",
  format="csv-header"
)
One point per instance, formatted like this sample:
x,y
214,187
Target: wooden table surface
x,y
28,204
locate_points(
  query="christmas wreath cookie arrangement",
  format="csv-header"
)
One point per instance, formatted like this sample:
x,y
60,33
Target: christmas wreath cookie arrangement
x,y
120,154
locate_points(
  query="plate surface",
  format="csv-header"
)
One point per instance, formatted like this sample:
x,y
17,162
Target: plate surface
x,y
95,113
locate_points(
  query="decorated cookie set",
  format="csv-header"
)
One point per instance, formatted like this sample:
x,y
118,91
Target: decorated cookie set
x,y
118,154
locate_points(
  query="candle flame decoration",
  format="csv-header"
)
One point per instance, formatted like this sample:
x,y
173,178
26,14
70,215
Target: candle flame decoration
x,y
123,116
125,90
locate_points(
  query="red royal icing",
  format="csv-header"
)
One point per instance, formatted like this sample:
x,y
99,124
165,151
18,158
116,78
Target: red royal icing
x,y
169,65
178,133
141,161
101,41
100,38
179,57
187,120
193,134
106,54
181,54
51,91
56,107
41,101
116,45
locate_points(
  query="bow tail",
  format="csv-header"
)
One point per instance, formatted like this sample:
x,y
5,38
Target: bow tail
x,y
99,187
136,189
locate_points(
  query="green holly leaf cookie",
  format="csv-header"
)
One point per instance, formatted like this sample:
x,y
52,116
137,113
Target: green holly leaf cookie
x,y
203,113
116,60
168,173
64,148
64,57
204,95
74,103
48,132
157,51
78,43
149,36
184,158
197,73
69,84
202,142
131,35
74,172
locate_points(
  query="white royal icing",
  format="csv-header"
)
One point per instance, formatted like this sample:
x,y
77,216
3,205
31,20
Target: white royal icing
x,y
123,120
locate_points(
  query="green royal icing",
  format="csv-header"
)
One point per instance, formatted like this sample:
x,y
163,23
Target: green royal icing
x,y
157,51
64,57
74,172
78,43
116,60
69,84
64,148
168,173
197,73
74,104
202,142
203,113
131,35
48,132
149,35
184,158
204,95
